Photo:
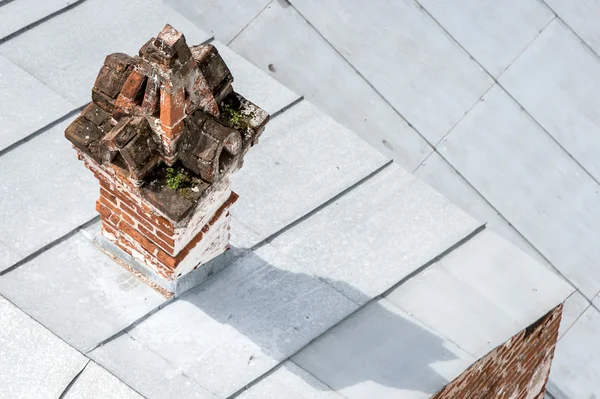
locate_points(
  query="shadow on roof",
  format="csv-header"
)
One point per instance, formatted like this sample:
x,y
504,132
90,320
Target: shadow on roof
x,y
281,309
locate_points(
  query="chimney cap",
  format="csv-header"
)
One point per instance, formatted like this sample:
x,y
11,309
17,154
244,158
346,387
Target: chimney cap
x,y
170,107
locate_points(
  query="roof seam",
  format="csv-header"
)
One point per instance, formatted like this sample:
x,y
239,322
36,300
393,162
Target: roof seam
x,y
587,46
73,381
452,128
132,325
442,255
318,379
39,21
181,372
307,215
384,99
249,23
527,241
49,246
590,305
5,2
41,130
44,327
435,331
118,378
287,107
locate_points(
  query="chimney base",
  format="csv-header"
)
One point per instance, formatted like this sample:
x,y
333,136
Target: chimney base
x,y
165,286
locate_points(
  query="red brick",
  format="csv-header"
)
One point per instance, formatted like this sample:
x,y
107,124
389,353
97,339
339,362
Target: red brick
x,y
135,216
152,237
102,209
507,371
166,238
172,107
133,85
104,193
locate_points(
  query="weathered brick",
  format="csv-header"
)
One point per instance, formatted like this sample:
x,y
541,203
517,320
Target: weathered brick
x,y
102,209
135,216
166,238
110,197
160,243
172,107
133,88
512,369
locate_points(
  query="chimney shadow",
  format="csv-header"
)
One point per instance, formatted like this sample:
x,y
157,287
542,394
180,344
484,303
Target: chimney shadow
x,y
281,311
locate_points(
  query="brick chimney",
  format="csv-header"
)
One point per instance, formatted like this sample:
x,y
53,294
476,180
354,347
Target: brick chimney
x,y
163,134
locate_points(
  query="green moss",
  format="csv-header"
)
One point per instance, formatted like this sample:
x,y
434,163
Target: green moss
x,y
235,118
178,181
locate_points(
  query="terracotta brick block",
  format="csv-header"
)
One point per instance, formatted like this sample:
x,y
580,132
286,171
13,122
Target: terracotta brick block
x,y
172,132
172,107
134,85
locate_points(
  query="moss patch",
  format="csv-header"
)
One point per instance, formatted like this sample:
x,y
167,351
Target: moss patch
x,y
179,181
235,118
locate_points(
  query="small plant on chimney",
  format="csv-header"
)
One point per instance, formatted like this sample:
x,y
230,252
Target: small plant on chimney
x,y
234,118
177,180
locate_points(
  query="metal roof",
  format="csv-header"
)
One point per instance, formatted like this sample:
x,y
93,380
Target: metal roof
x,y
340,255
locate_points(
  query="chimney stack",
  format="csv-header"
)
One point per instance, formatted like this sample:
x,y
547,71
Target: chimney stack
x,y
163,134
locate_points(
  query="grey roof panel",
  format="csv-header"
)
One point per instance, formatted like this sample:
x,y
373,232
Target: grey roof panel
x,y
280,39
563,96
471,296
79,293
488,29
424,74
376,234
17,116
382,352
304,158
493,146
35,363
438,173
290,381
582,17
45,193
96,382
147,372
575,370
254,84
243,321
19,15
67,51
